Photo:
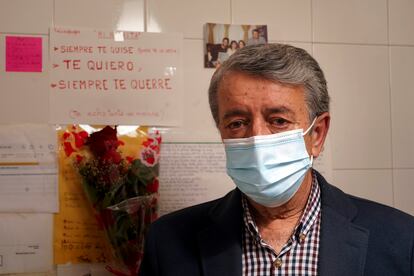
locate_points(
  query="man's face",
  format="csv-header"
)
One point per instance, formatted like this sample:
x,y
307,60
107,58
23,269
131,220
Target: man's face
x,y
255,34
225,42
251,106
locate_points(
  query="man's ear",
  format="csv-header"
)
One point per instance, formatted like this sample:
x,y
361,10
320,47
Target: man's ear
x,y
319,133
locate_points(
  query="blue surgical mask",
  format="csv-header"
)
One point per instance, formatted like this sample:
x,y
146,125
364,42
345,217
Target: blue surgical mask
x,y
269,169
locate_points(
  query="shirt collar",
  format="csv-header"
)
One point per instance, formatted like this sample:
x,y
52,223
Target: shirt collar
x,y
308,218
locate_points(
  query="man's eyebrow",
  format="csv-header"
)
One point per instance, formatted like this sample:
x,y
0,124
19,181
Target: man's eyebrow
x,y
271,110
279,109
235,112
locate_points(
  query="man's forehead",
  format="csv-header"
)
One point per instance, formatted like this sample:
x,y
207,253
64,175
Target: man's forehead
x,y
243,111
234,78
239,91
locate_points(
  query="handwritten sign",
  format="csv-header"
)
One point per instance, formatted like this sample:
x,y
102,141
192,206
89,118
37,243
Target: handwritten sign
x,y
23,54
106,77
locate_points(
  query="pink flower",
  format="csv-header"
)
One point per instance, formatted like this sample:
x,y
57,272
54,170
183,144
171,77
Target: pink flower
x,y
148,142
149,157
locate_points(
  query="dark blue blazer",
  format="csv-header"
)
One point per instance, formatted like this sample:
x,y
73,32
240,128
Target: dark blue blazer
x,y
358,237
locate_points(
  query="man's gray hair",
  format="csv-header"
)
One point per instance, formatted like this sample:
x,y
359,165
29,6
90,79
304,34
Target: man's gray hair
x,y
280,63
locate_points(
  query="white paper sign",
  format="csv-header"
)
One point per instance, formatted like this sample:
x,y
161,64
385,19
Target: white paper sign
x,y
107,77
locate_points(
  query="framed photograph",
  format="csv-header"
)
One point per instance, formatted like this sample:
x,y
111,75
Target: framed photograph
x,y
222,40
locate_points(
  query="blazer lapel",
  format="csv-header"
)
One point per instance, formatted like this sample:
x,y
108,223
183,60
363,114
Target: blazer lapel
x,y
220,243
343,244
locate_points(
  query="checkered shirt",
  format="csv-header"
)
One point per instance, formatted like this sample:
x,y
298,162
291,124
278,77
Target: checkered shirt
x,y
299,256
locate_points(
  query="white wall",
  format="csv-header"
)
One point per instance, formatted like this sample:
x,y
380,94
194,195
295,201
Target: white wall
x,y
365,47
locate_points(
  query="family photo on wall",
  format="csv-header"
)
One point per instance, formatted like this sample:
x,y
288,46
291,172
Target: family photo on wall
x,y
222,40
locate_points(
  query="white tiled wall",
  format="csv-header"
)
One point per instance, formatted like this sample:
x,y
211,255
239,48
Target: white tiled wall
x,y
359,86
351,21
288,20
125,15
401,22
365,47
25,16
185,16
373,184
402,105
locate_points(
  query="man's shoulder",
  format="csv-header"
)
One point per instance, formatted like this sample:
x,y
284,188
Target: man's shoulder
x,y
364,212
194,217
188,214
381,215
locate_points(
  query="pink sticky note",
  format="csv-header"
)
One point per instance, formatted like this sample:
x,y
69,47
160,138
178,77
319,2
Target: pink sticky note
x,y
23,54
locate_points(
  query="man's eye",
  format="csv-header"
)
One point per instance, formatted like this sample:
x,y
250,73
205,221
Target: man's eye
x,y
236,124
279,122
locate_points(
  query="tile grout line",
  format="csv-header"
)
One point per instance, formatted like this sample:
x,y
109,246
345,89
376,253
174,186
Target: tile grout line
x,y
54,14
390,105
312,27
145,15
231,11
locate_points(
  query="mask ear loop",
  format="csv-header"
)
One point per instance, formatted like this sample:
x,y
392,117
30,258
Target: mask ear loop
x,y
310,127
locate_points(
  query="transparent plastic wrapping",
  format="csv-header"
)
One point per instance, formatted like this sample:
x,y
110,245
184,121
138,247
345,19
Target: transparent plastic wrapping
x,y
118,168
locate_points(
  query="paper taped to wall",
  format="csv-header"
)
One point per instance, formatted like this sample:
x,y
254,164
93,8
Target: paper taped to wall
x,y
191,173
107,77
23,250
28,169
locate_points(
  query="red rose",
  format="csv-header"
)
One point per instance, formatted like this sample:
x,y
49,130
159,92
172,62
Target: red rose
x,y
112,156
103,141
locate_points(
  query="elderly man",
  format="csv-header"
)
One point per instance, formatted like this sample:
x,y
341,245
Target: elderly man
x,y
271,105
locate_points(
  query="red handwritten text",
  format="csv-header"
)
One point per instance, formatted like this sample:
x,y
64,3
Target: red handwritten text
x,y
76,49
83,84
149,84
99,65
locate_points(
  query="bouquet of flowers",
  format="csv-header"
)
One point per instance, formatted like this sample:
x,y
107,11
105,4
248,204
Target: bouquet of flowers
x,y
123,190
